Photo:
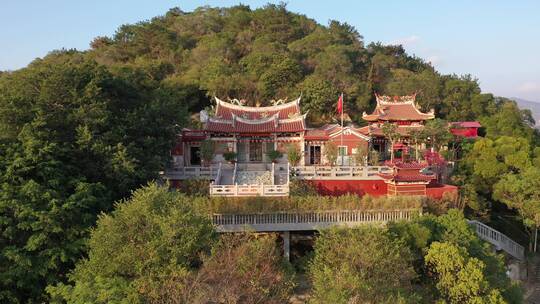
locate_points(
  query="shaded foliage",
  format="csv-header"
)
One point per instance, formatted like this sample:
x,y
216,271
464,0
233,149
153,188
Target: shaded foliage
x,y
75,138
156,248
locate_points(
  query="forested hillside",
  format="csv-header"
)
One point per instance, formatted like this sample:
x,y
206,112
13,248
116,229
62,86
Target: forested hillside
x,y
81,130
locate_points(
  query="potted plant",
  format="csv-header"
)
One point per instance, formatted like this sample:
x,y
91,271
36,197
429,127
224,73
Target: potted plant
x,y
273,155
230,156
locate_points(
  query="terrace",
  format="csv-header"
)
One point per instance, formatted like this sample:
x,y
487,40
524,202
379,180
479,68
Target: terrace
x,y
269,179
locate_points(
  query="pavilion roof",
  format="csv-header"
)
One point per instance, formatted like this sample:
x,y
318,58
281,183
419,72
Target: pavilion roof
x,y
408,178
398,108
407,165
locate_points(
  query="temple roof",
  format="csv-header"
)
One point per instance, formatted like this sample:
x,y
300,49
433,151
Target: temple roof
x,y
396,109
225,110
407,172
237,118
270,124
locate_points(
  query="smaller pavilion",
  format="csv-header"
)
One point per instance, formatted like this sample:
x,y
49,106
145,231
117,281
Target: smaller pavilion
x,y
407,178
400,110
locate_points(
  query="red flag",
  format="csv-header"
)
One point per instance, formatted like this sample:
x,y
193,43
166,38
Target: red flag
x,y
340,104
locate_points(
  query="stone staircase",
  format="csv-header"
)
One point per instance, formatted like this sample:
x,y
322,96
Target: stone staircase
x,y
226,177
280,179
253,177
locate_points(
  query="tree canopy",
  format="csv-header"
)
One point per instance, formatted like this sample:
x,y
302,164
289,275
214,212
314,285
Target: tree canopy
x,y
157,248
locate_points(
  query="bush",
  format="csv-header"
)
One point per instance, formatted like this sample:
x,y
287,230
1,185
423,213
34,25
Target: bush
x,y
230,156
195,187
273,155
374,158
248,205
302,188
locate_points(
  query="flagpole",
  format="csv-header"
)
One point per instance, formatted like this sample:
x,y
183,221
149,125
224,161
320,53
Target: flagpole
x,y
342,110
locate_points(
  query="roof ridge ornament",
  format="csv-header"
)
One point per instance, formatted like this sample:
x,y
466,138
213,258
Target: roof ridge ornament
x,y
279,101
235,101
386,99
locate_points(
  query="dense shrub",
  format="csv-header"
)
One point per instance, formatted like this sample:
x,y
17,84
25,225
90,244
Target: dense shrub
x,y
303,204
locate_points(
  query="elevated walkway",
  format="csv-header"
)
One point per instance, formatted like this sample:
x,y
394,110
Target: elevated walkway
x,y
305,221
499,240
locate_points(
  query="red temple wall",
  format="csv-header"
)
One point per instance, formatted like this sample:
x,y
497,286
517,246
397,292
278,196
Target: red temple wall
x,y
465,132
437,190
359,187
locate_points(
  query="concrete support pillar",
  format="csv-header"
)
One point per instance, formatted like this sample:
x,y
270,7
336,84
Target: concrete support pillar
x,y
286,235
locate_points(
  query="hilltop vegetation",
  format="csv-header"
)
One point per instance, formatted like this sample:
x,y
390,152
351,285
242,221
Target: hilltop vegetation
x,y
271,53
81,130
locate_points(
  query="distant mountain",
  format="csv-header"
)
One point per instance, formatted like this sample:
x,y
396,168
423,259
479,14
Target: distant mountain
x,y
531,105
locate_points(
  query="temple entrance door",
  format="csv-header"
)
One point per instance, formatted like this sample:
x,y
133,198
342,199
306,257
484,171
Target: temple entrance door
x,y
268,146
255,151
314,155
242,151
194,157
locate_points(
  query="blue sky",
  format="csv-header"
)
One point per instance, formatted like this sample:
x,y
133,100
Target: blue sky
x,y
495,41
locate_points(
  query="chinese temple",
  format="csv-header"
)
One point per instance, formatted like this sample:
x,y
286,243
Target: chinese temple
x,y
250,133
400,110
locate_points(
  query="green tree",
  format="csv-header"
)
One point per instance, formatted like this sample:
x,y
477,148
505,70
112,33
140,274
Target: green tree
x,y
361,155
148,240
374,158
522,192
75,138
442,247
437,133
293,154
361,265
207,151
241,269
459,278
390,132
426,84
331,153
